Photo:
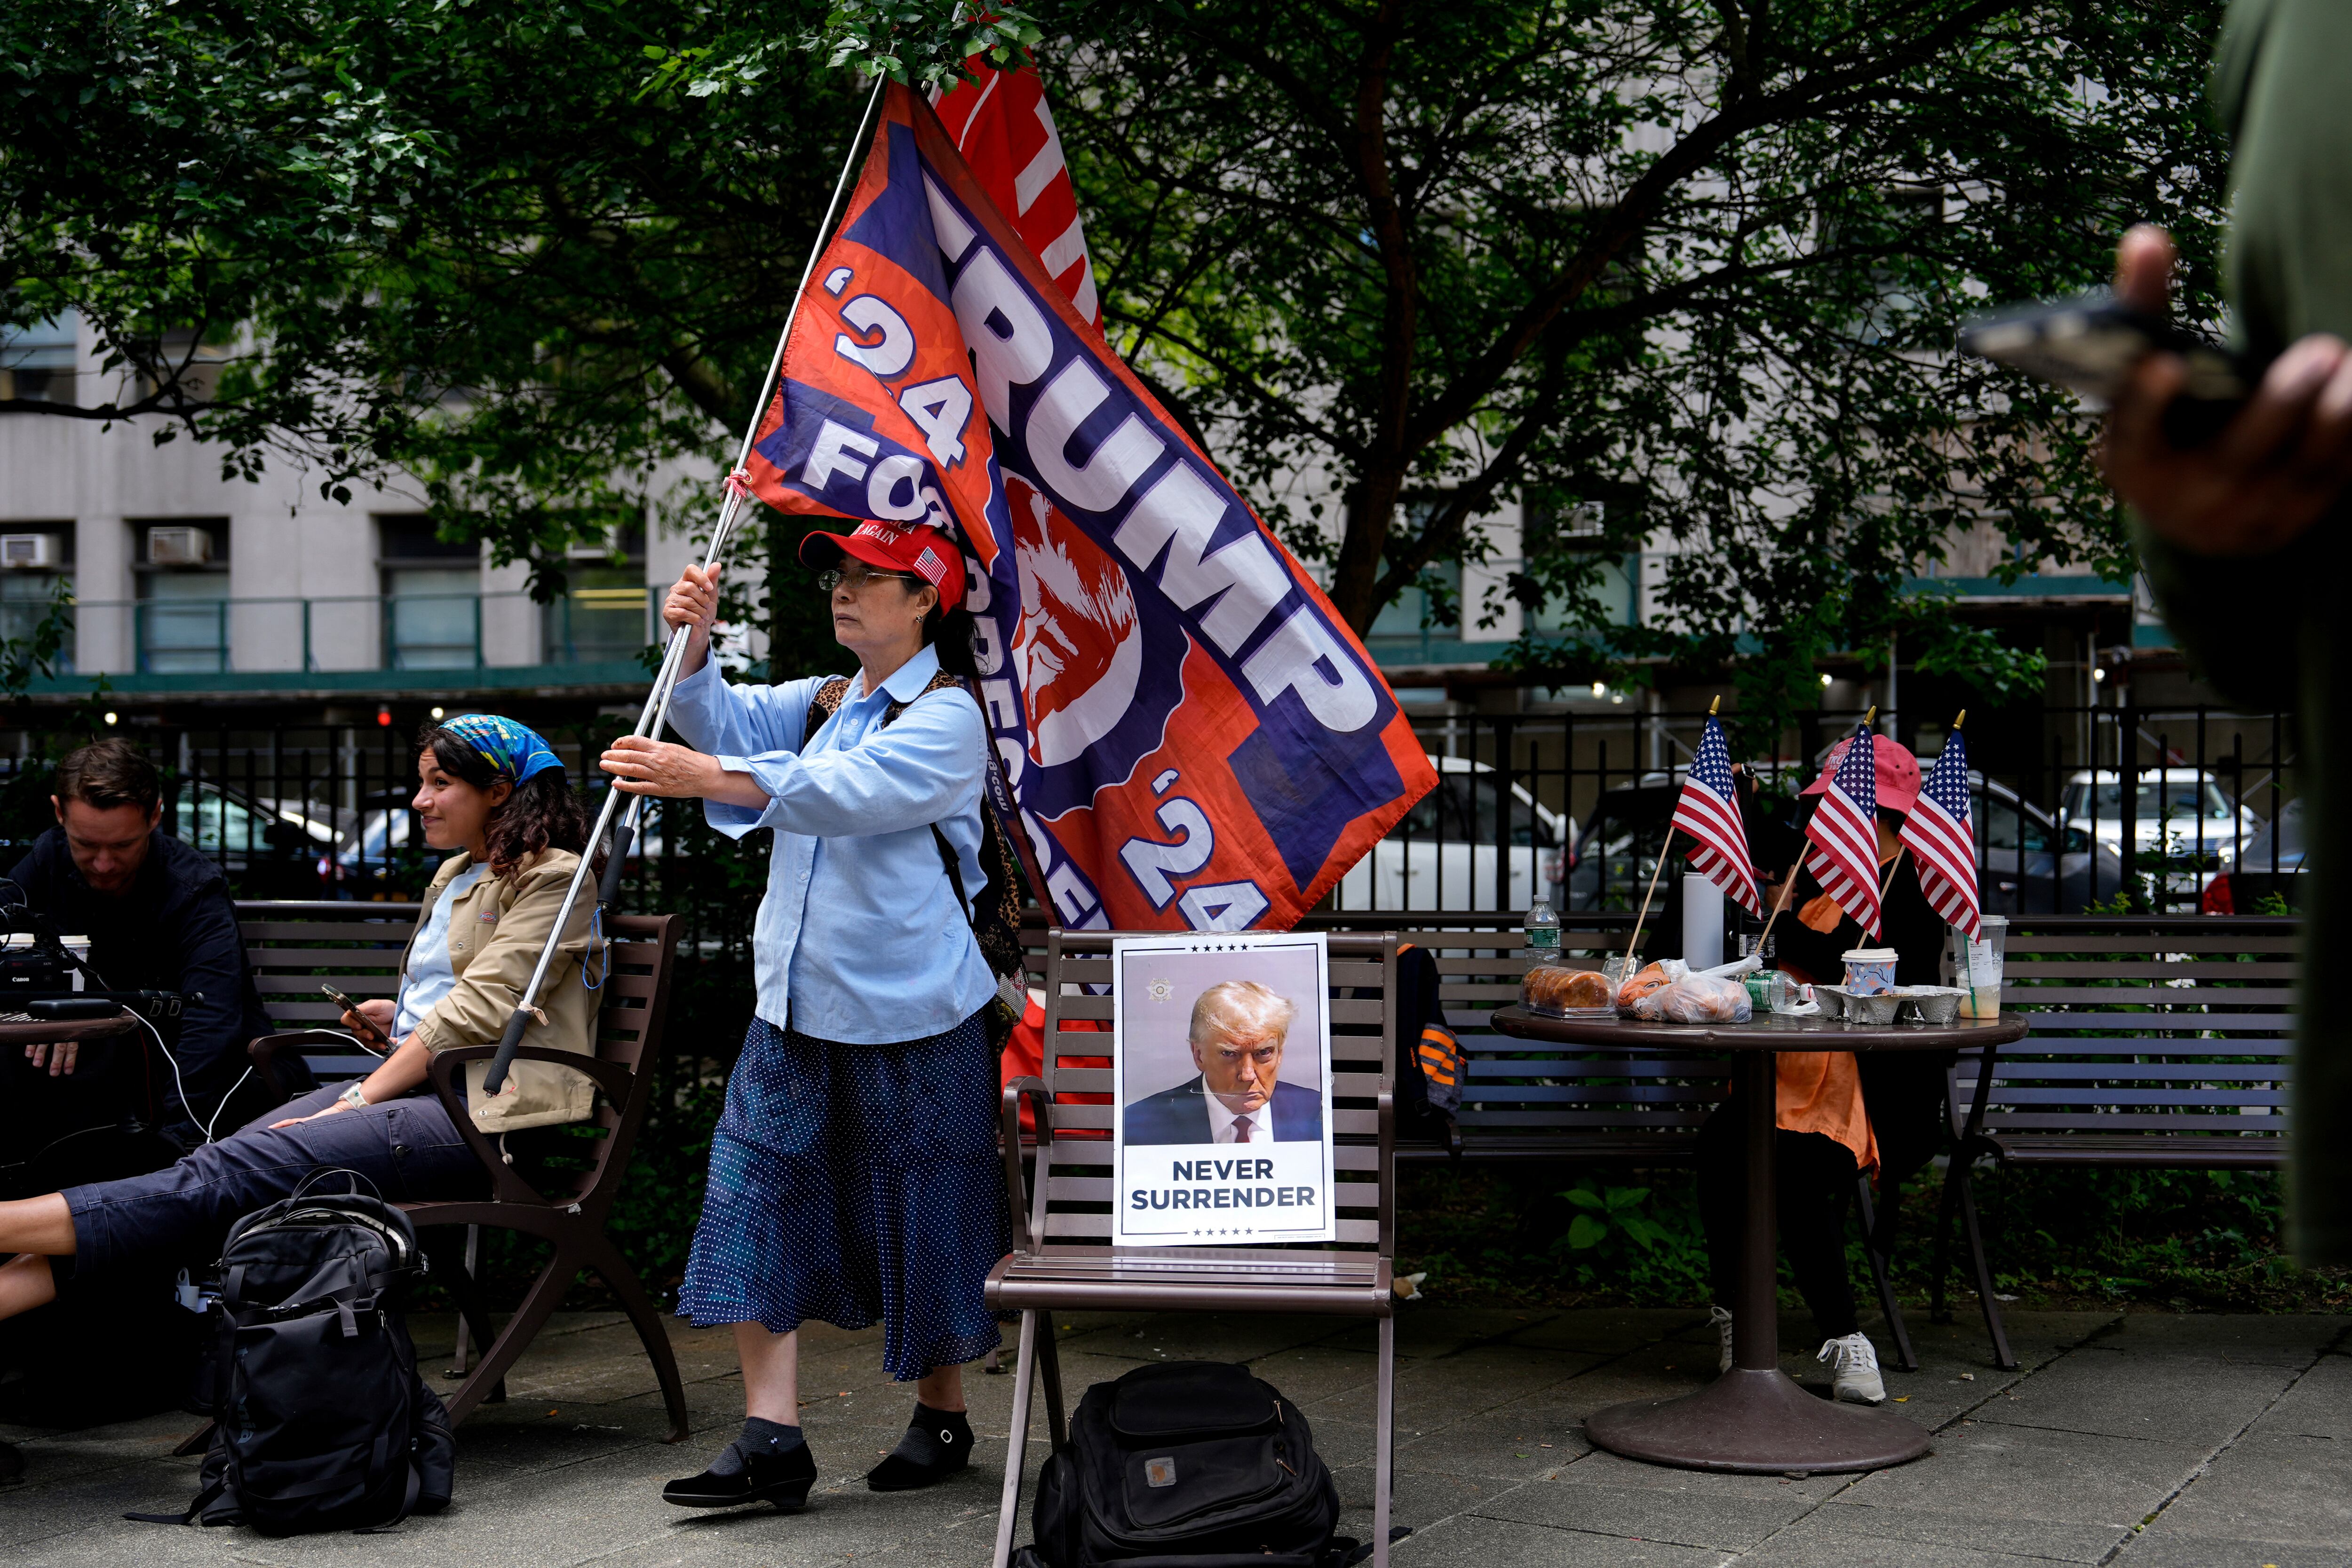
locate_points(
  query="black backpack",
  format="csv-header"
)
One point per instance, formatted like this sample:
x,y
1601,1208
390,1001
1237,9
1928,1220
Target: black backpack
x,y
995,915
1191,1464
321,1422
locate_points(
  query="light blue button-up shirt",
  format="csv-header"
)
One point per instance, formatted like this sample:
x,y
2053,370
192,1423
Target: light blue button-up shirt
x,y
430,975
859,939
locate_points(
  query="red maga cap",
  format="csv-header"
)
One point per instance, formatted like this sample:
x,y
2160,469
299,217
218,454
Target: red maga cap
x,y
1897,770
926,552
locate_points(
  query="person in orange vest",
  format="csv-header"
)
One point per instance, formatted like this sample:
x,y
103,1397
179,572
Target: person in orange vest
x,y
1839,1114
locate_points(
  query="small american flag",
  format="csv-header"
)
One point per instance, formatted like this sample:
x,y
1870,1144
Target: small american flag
x,y
1709,812
1941,844
1843,838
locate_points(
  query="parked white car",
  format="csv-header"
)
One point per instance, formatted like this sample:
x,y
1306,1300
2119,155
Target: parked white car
x,y
1443,854
2181,812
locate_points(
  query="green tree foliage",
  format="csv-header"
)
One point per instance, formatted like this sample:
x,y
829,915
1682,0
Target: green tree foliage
x,y
1697,264
494,245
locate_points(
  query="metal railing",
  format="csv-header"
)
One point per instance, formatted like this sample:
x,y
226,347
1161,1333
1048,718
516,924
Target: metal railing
x,y
2075,807
361,631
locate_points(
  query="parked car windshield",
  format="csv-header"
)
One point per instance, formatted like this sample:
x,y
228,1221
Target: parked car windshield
x,y
1624,835
2157,800
210,821
2005,825
1461,810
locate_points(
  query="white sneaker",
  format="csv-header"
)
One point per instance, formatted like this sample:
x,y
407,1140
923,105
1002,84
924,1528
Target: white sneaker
x,y
1854,1362
1721,1319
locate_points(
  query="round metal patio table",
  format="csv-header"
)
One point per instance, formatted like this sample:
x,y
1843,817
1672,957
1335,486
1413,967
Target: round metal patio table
x,y
1755,1419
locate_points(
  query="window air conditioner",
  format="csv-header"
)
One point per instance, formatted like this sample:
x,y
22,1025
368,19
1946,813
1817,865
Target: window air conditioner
x,y
32,551
179,547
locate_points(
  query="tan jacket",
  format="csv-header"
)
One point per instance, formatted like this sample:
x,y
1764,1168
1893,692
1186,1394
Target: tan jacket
x,y
496,929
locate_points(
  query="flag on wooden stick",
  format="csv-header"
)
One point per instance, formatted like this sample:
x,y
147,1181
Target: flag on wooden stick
x,y
1937,833
1708,811
1841,841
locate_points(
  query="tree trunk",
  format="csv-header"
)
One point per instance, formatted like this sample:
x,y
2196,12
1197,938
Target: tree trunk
x,y
1356,577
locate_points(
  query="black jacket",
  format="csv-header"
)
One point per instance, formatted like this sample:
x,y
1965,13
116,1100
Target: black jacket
x,y
175,930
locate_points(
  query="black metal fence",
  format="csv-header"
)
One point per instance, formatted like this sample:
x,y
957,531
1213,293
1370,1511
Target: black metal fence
x,y
2074,808
2170,810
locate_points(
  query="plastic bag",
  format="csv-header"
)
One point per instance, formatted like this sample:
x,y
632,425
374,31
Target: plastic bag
x,y
1699,998
1648,978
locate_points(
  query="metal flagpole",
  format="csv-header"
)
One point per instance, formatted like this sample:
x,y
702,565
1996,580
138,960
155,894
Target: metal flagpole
x,y
657,708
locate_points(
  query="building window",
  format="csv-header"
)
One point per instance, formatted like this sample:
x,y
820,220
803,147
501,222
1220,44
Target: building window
x,y
36,570
432,597
1418,613
1612,600
36,362
181,624
1431,607
605,615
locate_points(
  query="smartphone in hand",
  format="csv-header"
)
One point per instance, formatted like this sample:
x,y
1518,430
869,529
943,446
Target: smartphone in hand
x,y
366,1025
2089,345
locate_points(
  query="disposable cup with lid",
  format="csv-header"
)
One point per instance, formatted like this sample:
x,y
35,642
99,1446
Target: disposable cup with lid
x,y
1870,971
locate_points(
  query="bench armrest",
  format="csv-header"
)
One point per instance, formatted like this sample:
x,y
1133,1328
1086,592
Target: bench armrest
x,y
1041,1102
264,1051
443,1069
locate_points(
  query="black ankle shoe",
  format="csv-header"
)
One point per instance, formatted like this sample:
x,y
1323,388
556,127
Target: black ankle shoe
x,y
948,1438
781,1479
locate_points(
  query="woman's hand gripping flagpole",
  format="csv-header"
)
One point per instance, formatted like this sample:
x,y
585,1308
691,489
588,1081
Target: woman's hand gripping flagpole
x,y
656,712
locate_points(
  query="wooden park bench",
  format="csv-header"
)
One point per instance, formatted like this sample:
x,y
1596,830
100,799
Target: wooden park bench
x,y
1062,1259
357,948
2156,1041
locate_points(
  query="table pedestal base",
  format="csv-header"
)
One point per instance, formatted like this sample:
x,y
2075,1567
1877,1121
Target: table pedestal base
x,y
1757,1423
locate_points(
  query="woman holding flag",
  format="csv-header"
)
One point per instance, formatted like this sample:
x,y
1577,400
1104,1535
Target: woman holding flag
x,y
854,1175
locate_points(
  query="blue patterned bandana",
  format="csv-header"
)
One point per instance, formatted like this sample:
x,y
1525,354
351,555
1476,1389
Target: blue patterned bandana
x,y
514,751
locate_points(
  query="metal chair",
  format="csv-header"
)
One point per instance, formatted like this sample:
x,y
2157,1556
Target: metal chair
x,y
1062,1259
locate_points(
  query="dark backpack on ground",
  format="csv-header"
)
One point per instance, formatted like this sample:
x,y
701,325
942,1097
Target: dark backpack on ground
x,y
1190,1464
321,1420
995,915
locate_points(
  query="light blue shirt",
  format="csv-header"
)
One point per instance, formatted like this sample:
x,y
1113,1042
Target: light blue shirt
x,y
429,976
859,939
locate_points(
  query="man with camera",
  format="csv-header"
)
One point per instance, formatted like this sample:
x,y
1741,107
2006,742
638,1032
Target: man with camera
x,y
158,916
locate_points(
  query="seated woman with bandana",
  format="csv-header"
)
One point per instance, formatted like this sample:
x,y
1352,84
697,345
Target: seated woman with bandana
x,y
492,790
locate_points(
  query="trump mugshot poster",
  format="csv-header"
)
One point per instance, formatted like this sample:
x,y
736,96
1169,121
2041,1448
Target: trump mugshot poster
x,y
1223,1077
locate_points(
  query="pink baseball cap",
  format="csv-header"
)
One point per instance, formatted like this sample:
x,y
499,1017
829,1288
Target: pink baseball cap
x,y
1897,770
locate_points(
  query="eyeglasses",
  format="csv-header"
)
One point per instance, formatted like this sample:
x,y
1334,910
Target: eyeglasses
x,y
858,581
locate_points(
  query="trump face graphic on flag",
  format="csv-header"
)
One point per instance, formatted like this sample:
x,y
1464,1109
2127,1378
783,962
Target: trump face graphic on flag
x,y
1080,644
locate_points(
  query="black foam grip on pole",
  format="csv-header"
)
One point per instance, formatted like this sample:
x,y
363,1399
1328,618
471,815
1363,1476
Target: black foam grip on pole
x,y
496,1077
608,887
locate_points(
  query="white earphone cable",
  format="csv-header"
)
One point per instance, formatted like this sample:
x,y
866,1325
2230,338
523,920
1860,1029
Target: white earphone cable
x,y
181,1083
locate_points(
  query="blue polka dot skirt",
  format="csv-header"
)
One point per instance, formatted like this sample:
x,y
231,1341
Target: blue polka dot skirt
x,y
856,1184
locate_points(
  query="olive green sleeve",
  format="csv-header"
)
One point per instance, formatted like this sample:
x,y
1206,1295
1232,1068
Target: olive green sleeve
x,y
2237,617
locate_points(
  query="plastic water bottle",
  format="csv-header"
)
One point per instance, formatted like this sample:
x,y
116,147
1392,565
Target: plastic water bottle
x,y
1543,933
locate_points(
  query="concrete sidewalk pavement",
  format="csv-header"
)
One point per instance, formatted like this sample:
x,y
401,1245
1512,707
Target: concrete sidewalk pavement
x,y
2150,1441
